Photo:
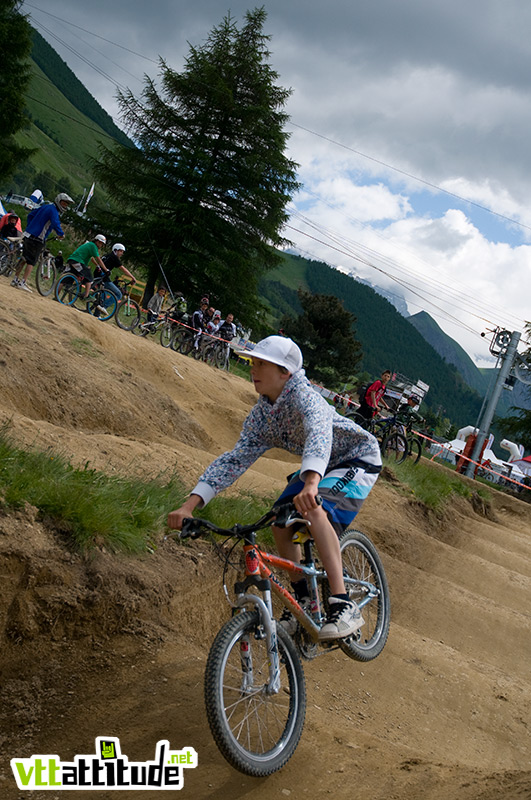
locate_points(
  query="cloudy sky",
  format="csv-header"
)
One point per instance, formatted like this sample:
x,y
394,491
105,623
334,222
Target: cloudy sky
x,y
410,121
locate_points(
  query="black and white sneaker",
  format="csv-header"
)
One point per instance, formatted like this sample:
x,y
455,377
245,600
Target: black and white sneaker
x,y
343,620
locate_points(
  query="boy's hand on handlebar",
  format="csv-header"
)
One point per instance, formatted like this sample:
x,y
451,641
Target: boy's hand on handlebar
x,y
175,518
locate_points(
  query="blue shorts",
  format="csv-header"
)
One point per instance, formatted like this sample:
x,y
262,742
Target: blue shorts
x,y
343,489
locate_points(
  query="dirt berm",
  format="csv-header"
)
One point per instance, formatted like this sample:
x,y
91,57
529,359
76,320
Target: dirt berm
x,y
113,645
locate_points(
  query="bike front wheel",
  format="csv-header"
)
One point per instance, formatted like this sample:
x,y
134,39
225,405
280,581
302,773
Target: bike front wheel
x,y
127,314
362,566
255,730
166,333
45,276
414,450
394,448
102,304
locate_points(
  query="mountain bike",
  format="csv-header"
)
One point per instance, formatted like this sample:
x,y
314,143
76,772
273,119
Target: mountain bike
x,y
101,303
255,692
393,442
414,443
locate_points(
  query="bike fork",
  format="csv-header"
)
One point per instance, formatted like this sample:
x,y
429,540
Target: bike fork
x,y
265,611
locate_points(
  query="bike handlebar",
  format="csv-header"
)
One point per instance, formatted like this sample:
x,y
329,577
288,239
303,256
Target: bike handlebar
x,y
284,515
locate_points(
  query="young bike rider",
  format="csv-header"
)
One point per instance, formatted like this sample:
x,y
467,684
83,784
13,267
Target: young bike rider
x,y
113,260
40,223
78,263
340,462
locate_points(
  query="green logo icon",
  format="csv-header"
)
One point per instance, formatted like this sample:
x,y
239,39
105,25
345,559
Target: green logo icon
x,y
107,750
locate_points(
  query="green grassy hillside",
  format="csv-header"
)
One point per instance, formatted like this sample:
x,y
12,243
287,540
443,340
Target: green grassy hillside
x,y
388,339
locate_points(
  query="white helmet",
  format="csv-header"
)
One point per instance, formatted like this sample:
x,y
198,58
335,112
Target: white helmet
x,y
100,238
61,198
118,246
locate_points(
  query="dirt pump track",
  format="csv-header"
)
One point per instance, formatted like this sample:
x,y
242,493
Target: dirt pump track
x,y
116,645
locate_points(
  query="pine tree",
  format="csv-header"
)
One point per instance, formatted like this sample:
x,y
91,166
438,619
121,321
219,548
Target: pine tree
x,y
325,333
207,185
15,46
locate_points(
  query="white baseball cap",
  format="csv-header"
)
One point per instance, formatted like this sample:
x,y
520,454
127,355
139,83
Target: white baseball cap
x,y
278,350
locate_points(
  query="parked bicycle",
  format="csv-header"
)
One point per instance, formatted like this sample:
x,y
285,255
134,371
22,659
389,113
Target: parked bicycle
x,y
217,353
255,691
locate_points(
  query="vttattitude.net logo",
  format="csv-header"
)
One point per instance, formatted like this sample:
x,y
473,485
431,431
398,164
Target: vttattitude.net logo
x,y
106,769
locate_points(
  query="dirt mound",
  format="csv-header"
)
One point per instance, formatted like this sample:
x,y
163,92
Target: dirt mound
x,y
100,644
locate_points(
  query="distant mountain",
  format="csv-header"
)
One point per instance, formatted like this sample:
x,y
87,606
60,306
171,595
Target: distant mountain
x,y
479,379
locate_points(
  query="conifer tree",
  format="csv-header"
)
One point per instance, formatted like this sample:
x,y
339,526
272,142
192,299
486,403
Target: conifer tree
x,y
325,333
15,46
205,189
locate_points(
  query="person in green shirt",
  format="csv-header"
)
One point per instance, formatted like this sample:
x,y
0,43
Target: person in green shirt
x,y
78,262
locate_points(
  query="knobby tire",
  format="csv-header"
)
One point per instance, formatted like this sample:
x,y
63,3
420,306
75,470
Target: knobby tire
x,y
256,732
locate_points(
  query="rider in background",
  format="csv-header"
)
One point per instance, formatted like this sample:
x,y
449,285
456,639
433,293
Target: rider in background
x,y
406,412
370,404
10,226
78,263
41,222
113,260
340,462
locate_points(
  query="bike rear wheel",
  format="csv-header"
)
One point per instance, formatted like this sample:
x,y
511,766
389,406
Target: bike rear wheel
x,y
67,289
394,448
127,314
414,450
45,276
256,731
362,565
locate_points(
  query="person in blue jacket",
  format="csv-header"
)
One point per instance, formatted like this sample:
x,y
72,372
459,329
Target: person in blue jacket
x,y
41,222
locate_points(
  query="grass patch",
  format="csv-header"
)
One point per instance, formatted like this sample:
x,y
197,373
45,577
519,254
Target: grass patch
x,y
92,507
433,487
84,347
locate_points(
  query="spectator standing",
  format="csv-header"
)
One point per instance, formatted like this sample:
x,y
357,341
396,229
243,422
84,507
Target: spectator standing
x,y
370,404
41,222
154,306
226,328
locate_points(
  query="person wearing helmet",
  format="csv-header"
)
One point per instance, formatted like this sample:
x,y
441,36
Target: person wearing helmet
x,y
10,226
113,260
41,222
78,262
406,411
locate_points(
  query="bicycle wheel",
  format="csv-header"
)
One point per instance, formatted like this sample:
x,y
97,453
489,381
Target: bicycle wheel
x,y
67,289
256,731
127,314
140,327
359,419
394,448
361,562
102,299
187,343
209,355
414,450
5,258
45,276
166,333
222,357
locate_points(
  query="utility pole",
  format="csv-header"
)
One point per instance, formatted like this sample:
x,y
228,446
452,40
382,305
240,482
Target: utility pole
x,y
507,344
